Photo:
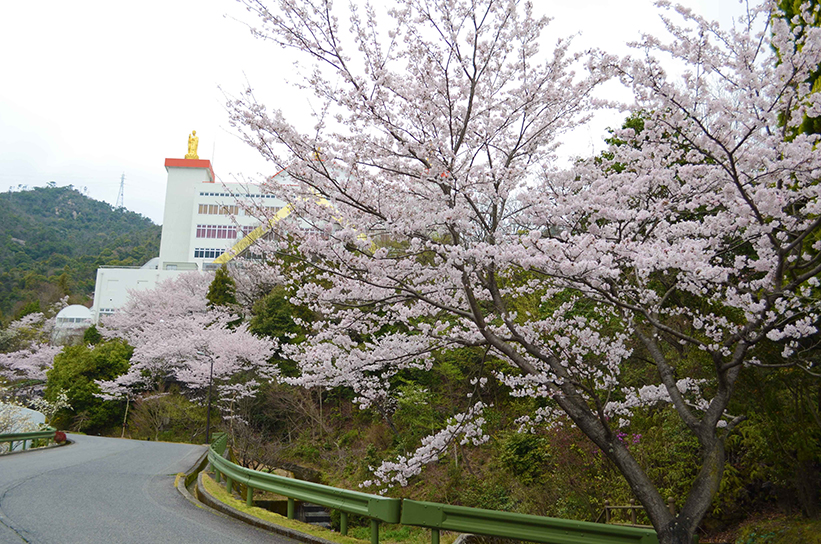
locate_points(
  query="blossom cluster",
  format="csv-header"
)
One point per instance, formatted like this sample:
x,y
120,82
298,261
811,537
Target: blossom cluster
x,y
442,220
465,428
178,338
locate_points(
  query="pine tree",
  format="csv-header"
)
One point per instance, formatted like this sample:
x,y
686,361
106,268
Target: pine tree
x,y
222,291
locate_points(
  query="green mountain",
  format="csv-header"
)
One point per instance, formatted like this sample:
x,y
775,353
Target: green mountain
x,y
54,239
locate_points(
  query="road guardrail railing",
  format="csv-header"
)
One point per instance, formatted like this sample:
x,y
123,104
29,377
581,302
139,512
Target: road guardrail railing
x,y
434,516
34,438
378,509
462,519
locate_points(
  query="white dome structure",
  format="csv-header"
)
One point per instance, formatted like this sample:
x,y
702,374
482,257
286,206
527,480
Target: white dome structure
x,y
70,324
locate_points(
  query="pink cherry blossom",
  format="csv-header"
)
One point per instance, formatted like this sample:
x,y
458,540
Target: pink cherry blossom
x,y
178,338
429,212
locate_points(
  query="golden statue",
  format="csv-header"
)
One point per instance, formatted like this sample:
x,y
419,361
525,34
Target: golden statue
x,y
193,142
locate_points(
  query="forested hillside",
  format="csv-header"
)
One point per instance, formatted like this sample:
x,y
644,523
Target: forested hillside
x,y
55,238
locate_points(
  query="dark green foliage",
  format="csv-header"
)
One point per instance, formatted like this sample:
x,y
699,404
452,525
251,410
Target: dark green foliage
x,y
526,456
634,121
416,413
664,447
30,308
75,370
222,291
273,316
781,530
54,239
169,417
92,336
491,493
778,450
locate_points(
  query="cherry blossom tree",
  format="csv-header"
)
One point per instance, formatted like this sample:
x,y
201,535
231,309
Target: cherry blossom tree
x,y
12,418
29,354
177,338
693,239
28,364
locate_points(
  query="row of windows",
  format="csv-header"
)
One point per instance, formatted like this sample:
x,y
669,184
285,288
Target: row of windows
x,y
73,320
213,253
256,209
223,231
219,209
207,252
237,195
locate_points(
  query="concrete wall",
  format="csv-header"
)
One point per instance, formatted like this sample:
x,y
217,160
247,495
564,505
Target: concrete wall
x,y
111,291
184,178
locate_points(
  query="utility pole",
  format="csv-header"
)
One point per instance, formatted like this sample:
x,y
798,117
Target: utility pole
x,y
120,204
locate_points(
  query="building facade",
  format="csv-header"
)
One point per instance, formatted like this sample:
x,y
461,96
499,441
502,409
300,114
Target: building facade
x,y
202,220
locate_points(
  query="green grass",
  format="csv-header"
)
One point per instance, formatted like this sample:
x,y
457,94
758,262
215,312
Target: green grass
x,y
218,492
786,530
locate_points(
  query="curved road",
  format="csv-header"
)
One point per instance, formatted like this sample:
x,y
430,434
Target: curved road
x,y
107,490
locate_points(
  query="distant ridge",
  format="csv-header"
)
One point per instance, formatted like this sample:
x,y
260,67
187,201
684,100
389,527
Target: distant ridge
x,y
54,239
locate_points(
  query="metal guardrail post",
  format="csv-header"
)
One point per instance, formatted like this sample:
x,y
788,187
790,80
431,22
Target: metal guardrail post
x,y
249,496
291,508
229,484
343,523
374,531
434,536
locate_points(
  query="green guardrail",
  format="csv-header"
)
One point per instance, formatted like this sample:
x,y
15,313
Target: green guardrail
x,y
35,438
378,509
220,443
431,515
461,519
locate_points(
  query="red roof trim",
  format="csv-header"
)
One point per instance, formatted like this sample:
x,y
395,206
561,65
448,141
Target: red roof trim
x,y
191,163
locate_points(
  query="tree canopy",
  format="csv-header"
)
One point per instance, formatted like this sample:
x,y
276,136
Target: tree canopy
x,y
648,275
179,339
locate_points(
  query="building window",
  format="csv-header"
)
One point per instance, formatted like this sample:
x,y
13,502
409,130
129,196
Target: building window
x,y
207,253
217,231
217,209
267,209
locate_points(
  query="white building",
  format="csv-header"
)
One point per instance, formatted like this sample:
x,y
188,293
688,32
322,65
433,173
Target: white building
x,y
201,221
70,324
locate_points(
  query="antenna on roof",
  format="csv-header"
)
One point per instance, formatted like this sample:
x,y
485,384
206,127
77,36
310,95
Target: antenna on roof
x,y
119,205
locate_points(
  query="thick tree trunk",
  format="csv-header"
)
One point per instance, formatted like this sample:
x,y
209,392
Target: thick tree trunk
x,y
675,534
682,528
678,529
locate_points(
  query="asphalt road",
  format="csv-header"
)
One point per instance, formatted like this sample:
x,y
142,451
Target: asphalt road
x,y
107,490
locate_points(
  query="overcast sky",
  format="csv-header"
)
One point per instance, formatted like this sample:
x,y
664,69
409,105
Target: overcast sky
x,y
93,89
